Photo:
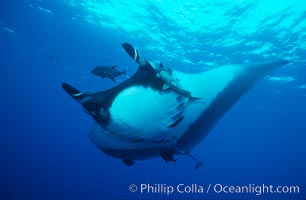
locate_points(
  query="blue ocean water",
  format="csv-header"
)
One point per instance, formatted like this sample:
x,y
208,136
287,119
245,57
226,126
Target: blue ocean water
x,y
45,150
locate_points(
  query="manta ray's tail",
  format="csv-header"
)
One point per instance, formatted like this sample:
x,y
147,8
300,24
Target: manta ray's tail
x,y
133,53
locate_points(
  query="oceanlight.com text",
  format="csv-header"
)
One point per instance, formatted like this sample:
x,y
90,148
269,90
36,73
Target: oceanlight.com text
x,y
256,189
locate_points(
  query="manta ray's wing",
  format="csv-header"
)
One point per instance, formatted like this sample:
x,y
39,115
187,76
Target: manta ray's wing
x,y
145,121
221,88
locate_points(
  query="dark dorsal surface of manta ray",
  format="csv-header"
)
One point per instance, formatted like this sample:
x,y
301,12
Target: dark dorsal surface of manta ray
x,y
162,112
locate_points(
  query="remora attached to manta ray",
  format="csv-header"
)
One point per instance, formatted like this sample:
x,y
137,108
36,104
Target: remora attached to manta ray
x,y
152,114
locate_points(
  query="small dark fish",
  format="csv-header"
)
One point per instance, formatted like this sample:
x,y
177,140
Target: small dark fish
x,y
108,72
51,58
128,162
184,93
168,155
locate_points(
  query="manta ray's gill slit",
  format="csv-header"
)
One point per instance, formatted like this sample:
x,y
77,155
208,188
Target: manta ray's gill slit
x,y
174,124
181,106
138,140
177,116
158,141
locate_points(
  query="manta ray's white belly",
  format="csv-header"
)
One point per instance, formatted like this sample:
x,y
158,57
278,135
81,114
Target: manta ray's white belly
x,y
141,116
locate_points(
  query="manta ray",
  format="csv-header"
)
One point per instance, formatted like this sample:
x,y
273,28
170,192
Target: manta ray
x,y
163,112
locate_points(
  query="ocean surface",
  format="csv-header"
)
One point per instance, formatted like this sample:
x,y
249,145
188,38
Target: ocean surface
x,y
45,152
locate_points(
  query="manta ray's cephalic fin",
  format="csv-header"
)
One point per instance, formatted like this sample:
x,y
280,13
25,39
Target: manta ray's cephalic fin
x,y
73,92
133,53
